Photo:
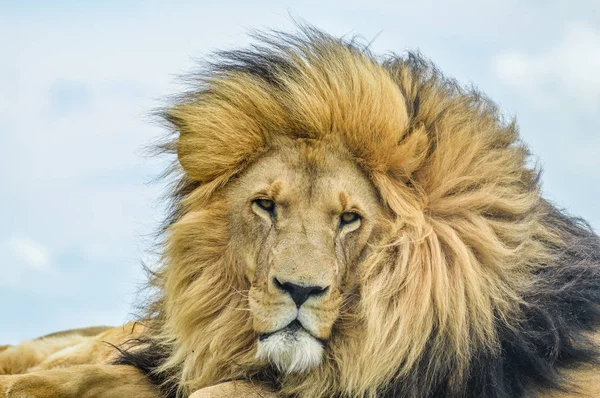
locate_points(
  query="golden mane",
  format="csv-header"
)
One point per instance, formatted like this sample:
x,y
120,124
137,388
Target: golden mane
x,y
468,230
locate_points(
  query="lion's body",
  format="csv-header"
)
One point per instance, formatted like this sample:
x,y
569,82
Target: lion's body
x,y
68,348
351,226
52,377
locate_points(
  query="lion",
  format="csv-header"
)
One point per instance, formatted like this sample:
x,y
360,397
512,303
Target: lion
x,y
344,225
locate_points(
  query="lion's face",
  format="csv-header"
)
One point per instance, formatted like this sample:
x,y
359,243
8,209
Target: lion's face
x,y
302,217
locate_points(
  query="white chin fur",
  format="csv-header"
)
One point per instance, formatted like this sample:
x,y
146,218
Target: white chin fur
x,y
291,351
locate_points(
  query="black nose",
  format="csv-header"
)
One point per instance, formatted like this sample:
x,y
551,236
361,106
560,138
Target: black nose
x,y
299,293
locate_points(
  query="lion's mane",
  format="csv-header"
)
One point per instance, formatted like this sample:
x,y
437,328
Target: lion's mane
x,y
479,288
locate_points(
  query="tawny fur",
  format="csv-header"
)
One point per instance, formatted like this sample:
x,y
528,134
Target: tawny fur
x,y
68,348
461,234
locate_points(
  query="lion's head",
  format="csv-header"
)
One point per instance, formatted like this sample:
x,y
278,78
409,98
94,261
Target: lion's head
x,y
347,225
301,218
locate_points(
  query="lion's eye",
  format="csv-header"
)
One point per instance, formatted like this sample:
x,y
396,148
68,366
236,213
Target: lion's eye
x,y
266,205
348,218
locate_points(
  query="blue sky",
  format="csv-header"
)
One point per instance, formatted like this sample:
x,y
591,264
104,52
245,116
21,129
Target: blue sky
x,y
79,79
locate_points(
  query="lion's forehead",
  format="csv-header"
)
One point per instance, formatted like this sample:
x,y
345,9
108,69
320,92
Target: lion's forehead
x,y
295,176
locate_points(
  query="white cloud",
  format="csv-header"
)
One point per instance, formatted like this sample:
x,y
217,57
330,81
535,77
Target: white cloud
x,y
570,68
34,254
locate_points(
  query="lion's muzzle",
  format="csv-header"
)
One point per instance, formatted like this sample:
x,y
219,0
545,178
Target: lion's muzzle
x,y
291,349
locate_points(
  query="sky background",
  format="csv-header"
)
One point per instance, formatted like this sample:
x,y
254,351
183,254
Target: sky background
x,y
79,79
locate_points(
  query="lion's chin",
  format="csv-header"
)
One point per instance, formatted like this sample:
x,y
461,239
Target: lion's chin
x,y
291,349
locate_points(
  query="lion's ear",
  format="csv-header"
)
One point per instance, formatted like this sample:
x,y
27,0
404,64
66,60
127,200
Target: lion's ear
x,y
223,128
211,143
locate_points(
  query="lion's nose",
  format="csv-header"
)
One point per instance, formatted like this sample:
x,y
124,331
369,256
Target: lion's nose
x,y
299,293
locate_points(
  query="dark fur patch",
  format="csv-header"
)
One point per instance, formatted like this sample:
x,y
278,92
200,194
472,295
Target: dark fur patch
x,y
147,355
562,306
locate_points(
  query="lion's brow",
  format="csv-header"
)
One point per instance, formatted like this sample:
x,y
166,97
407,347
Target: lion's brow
x,y
275,189
344,199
